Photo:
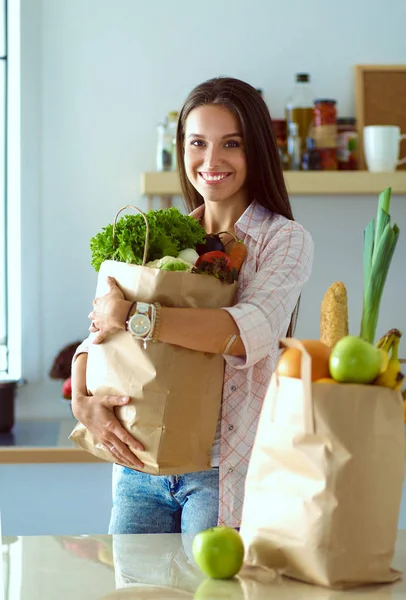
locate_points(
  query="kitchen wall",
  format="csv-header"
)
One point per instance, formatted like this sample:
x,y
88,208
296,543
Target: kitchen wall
x,y
96,78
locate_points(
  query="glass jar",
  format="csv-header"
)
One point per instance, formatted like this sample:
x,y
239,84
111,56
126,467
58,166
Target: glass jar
x,y
311,159
347,142
325,132
280,131
327,159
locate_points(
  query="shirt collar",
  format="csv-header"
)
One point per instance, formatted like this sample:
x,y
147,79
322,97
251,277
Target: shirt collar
x,y
250,223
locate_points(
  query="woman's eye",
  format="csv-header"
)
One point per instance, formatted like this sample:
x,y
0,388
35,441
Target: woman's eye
x,y
232,144
197,143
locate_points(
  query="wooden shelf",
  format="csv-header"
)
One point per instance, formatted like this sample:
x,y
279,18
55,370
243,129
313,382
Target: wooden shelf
x,y
315,183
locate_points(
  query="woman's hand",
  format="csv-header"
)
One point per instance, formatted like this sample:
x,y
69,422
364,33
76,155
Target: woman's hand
x,y
97,414
109,312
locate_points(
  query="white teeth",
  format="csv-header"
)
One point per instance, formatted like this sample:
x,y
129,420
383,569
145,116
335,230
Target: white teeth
x,y
213,177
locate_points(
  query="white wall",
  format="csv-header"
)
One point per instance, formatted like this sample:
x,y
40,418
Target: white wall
x,y
96,78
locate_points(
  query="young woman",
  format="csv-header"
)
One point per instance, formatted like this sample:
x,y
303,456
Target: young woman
x,y
232,180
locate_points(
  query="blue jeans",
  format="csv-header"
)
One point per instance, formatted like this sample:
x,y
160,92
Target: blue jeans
x,y
145,503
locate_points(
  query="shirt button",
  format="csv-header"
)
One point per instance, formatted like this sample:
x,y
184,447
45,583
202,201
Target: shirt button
x,y
233,388
231,470
230,427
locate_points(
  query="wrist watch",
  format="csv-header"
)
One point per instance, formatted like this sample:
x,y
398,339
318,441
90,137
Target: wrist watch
x,y
139,325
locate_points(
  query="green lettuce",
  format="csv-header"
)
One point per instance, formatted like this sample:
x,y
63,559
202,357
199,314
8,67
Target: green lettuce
x,y
170,232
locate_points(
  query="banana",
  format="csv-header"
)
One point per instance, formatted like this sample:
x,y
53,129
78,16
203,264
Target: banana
x,y
385,342
392,377
384,345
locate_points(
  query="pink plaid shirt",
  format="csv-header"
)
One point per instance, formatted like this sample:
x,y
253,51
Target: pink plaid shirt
x,y
278,263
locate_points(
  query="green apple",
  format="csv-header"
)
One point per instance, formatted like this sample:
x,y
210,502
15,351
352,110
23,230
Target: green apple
x,y
218,552
353,360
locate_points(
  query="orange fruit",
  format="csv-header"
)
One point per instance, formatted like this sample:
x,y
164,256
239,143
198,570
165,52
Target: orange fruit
x,y
290,362
326,380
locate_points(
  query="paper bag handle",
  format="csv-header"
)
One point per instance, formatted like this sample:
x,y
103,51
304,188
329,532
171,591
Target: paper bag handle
x,y
306,377
144,258
233,236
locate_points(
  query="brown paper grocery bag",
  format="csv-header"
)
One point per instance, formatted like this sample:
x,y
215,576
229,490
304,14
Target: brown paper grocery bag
x,y
324,483
175,392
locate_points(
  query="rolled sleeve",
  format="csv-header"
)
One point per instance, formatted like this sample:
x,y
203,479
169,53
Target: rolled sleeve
x,y
265,306
83,347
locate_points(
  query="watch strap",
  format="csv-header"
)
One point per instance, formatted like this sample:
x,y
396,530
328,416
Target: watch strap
x,y
128,315
142,308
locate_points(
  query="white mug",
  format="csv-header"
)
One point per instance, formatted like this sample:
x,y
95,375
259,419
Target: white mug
x,y
381,147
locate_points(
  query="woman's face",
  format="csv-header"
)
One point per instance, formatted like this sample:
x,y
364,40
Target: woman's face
x,y
214,155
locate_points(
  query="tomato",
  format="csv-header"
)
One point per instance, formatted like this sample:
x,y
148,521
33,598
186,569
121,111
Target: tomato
x,y
210,257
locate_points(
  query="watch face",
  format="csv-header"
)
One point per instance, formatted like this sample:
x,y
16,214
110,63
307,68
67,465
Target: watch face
x,y
139,325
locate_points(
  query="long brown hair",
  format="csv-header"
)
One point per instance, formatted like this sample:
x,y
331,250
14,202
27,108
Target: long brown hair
x,y
265,180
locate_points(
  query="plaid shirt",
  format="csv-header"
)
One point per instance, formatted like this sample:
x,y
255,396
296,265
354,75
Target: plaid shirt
x,y
278,263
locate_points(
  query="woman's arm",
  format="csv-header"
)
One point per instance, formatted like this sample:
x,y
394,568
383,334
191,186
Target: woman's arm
x,y
79,375
265,306
203,329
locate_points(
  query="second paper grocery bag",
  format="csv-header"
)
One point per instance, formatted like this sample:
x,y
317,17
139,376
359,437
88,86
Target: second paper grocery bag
x,y
324,482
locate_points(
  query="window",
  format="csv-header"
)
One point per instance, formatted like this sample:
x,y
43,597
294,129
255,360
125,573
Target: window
x,y
3,193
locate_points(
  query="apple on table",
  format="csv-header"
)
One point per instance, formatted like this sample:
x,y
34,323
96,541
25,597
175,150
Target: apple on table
x,y
218,552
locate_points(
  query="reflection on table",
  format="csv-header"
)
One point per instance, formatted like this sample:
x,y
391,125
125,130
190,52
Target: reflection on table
x,y
126,567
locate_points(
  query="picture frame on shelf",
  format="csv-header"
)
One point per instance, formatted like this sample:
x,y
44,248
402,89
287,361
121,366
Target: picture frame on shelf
x,y
380,99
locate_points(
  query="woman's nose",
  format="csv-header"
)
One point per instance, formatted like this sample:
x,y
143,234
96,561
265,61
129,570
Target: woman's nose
x,y
212,157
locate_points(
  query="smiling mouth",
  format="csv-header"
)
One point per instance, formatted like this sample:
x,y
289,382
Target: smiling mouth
x,y
213,177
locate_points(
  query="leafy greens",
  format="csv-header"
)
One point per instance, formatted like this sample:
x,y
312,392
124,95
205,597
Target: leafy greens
x,y
169,232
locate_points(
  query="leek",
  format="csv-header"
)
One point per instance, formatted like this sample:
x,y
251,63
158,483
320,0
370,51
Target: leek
x,y
380,239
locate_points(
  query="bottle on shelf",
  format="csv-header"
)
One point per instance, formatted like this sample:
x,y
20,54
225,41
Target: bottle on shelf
x,y
299,107
166,144
294,147
173,116
164,147
311,159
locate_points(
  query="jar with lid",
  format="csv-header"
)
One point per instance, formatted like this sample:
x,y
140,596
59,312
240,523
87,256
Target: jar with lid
x,y
325,132
347,141
280,131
